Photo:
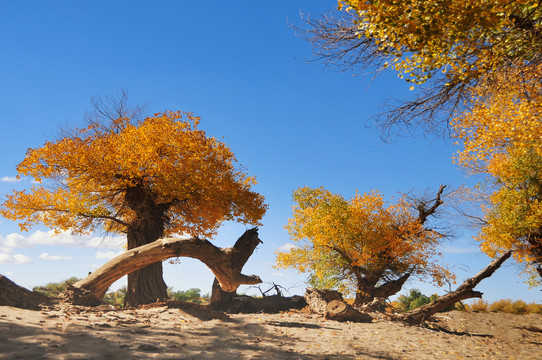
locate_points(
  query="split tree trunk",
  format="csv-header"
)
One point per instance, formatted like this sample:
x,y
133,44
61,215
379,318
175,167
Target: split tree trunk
x,y
465,291
224,263
243,248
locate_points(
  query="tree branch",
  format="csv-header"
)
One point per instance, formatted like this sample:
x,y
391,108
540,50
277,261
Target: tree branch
x,y
226,264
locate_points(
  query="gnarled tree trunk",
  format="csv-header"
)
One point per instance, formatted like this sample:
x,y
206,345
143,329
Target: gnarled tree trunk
x,y
242,249
224,263
465,291
14,295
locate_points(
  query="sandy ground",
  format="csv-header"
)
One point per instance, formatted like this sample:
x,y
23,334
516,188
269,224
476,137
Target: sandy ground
x,y
69,332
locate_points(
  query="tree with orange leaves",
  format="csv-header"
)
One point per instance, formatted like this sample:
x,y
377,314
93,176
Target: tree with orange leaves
x,y
143,177
362,245
501,137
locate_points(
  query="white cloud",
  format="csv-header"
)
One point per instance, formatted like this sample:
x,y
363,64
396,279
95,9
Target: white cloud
x,y
106,254
110,242
459,250
46,256
65,238
9,179
287,247
277,274
15,259
6,250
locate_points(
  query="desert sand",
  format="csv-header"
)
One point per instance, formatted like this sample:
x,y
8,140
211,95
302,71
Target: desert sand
x,y
191,332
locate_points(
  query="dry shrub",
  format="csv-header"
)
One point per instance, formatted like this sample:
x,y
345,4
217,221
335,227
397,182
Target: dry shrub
x,y
478,306
533,308
508,306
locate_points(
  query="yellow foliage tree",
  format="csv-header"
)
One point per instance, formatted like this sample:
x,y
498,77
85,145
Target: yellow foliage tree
x,y
502,138
465,39
362,245
446,47
145,178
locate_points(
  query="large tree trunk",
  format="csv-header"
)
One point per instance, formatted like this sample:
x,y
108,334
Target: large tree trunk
x,y
224,263
145,285
465,291
220,299
367,291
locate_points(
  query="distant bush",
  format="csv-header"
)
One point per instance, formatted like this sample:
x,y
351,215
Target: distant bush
x,y
478,306
413,300
55,289
517,307
533,308
190,295
116,298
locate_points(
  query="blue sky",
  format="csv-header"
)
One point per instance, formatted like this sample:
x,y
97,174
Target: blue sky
x,y
240,67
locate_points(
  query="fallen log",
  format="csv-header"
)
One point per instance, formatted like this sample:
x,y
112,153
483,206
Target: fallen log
x,y
269,304
464,291
14,295
340,311
226,264
319,299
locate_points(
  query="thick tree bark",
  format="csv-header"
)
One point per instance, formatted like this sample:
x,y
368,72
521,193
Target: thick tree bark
x,y
145,285
368,291
224,263
220,299
14,295
465,291
243,248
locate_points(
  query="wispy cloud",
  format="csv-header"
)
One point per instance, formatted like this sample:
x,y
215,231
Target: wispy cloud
x,y
459,249
39,237
46,256
278,274
106,254
287,247
14,259
9,179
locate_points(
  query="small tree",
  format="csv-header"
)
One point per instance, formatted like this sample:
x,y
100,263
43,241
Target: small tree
x,y
413,300
145,178
362,245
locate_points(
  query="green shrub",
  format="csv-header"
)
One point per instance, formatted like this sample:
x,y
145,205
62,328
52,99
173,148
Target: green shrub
x,y
190,295
116,298
414,300
55,289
